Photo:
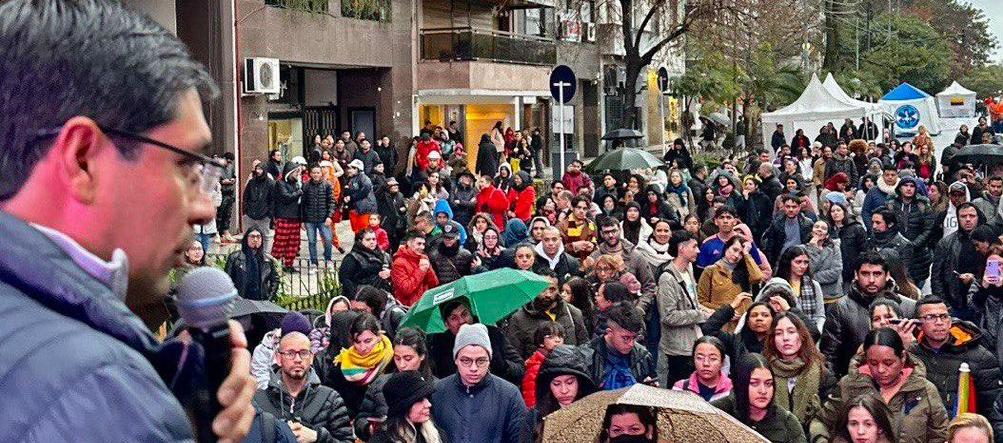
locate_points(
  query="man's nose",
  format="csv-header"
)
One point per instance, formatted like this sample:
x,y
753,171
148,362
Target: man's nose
x,y
202,210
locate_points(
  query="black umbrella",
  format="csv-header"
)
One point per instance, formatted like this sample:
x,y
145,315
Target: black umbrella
x,y
244,307
623,134
979,154
624,159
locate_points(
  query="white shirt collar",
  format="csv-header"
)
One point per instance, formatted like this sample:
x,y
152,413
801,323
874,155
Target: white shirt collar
x,y
113,274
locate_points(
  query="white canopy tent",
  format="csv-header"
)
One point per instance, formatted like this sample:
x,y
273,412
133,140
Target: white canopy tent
x,y
956,101
911,108
816,107
838,92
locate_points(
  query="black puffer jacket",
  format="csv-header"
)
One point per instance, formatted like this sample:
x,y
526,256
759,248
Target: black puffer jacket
x,y
776,236
258,197
852,237
287,195
267,285
915,223
848,322
964,346
757,211
892,240
943,279
318,407
318,201
451,263
362,267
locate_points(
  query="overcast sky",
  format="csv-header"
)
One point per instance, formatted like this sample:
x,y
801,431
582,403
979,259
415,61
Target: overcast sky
x,y
994,11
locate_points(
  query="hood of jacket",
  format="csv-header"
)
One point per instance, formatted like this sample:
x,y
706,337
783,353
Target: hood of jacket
x,y
859,377
288,169
777,286
442,206
515,232
964,336
526,181
566,360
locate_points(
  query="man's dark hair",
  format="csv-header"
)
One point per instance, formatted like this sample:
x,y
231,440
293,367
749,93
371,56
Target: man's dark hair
x,y
375,298
995,178
929,300
679,237
699,169
888,216
889,166
413,234
579,199
607,222
726,209
555,183
789,197
872,258
91,58
625,316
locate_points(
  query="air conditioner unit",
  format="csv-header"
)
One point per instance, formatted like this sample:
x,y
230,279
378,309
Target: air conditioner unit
x,y
590,32
261,75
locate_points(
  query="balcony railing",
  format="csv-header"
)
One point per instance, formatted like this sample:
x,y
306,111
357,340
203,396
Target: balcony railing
x,y
469,43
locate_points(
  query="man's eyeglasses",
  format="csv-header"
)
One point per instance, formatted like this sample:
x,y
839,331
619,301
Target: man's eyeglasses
x,y
930,318
304,354
202,171
467,362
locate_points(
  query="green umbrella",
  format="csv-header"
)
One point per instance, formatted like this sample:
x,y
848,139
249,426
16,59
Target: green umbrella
x,y
624,159
492,296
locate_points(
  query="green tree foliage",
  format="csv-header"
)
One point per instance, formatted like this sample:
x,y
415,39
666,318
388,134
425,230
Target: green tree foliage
x,y
913,52
985,80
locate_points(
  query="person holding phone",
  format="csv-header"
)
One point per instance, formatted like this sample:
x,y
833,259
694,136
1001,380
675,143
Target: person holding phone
x,y
986,298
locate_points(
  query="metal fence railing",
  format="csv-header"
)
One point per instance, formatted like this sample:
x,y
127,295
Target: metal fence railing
x,y
301,290
472,43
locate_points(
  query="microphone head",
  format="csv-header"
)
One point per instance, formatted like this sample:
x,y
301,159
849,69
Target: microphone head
x,y
205,297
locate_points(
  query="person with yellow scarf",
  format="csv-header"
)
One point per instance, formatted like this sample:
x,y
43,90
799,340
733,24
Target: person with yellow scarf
x,y
357,366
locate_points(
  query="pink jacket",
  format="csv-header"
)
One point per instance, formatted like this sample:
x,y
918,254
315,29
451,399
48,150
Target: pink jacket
x,y
722,389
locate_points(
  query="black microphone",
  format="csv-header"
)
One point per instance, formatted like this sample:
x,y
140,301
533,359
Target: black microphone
x,y
204,300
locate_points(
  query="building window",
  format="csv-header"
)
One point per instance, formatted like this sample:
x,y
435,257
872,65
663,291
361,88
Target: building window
x,y
377,10
299,5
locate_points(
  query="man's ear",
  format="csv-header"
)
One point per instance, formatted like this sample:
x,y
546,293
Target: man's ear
x,y
76,150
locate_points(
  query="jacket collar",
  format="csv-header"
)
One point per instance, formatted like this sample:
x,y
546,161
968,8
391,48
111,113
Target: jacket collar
x,y
51,270
485,382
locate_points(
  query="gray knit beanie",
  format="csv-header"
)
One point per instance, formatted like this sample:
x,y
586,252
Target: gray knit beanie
x,y
472,335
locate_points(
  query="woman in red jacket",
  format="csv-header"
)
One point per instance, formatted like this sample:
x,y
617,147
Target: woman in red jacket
x,y
491,200
521,197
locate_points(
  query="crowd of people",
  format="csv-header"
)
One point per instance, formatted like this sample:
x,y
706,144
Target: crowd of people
x,y
823,291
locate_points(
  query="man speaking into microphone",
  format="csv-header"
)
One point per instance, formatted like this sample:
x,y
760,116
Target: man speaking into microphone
x,y
101,171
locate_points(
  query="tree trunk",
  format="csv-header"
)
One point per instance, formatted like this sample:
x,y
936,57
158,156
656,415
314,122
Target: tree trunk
x,y
831,54
633,70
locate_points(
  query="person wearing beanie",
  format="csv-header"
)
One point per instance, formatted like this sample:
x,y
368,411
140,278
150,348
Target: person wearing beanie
x,y
473,404
408,410
263,358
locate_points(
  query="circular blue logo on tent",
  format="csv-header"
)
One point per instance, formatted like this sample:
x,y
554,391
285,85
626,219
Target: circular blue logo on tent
x,y
907,116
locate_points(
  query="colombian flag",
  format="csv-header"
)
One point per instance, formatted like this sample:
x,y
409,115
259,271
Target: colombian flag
x,y
966,392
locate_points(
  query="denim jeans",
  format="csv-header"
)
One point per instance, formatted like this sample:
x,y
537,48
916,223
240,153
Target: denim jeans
x,y
206,240
311,238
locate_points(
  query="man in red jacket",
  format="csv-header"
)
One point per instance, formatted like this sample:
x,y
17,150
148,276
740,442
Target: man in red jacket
x,y
411,273
491,200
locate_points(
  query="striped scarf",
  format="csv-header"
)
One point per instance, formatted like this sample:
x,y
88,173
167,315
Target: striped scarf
x,y
363,369
807,301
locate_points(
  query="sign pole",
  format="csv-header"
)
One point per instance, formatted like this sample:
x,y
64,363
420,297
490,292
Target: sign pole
x,y
560,109
661,114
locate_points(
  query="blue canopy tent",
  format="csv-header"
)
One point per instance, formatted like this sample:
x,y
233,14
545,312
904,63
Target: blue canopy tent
x,y
911,108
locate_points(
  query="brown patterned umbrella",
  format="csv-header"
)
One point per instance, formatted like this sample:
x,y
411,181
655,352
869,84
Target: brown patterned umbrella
x,y
683,417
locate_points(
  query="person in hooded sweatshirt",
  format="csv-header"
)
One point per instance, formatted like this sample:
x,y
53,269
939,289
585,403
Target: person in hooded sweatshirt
x,y
915,222
288,217
491,200
259,201
886,238
443,217
487,157
521,197
255,274
463,199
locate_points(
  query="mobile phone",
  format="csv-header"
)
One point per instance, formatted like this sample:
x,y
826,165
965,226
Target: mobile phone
x,y
897,321
993,270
